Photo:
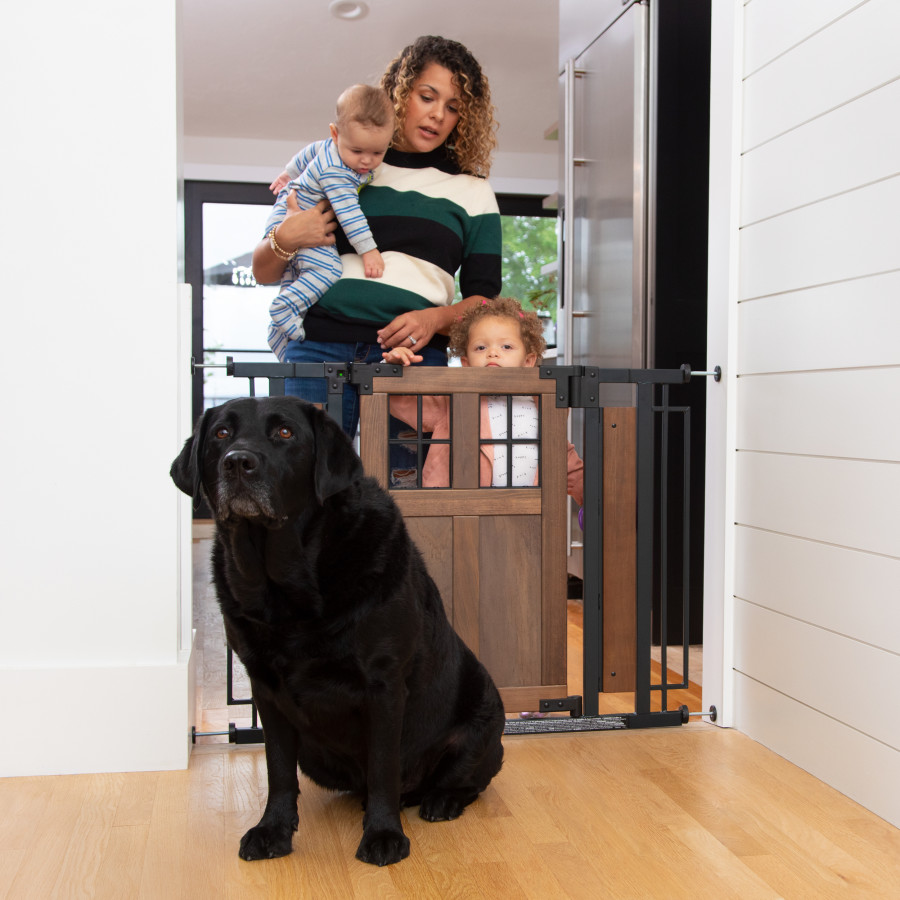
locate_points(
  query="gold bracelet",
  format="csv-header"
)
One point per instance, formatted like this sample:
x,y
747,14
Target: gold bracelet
x,y
280,252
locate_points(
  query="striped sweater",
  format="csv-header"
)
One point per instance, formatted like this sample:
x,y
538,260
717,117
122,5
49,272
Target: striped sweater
x,y
429,221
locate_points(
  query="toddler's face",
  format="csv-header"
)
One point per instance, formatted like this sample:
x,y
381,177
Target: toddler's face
x,y
496,341
361,147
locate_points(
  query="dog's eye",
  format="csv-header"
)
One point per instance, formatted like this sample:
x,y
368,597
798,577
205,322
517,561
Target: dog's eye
x,y
223,433
284,432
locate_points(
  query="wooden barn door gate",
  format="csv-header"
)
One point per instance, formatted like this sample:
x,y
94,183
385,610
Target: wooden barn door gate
x,y
498,554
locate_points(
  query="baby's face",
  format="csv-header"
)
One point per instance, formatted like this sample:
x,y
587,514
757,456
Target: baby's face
x,y
361,147
496,341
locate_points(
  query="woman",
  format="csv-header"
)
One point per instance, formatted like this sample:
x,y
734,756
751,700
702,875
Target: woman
x,y
431,212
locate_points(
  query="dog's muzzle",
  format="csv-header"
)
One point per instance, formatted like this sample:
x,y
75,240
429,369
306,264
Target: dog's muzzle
x,y
242,491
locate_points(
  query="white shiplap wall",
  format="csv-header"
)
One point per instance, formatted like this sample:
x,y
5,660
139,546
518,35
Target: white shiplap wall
x,y
817,429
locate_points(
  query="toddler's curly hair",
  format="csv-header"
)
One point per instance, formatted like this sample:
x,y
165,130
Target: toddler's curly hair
x,y
505,308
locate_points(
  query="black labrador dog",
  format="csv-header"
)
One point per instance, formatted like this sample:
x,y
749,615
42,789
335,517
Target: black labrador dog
x,y
357,674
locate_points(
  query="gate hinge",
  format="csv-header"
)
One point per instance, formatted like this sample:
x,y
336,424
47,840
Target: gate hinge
x,y
362,374
565,376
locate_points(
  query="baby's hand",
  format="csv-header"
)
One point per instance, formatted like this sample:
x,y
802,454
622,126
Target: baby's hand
x,y
403,355
280,182
374,264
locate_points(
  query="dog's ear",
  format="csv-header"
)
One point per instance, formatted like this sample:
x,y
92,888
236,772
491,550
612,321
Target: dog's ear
x,y
186,469
336,465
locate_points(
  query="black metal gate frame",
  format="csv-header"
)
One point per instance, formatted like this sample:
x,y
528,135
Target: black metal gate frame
x,y
578,387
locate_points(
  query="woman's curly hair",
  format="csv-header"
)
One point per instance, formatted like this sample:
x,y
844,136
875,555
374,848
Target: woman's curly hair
x,y
472,141
504,308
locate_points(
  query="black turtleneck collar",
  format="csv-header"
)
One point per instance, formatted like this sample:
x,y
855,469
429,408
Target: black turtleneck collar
x,y
439,159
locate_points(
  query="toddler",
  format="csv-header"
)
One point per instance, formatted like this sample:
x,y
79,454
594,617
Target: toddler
x,y
336,170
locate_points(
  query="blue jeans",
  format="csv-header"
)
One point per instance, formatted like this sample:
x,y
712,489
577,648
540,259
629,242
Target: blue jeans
x,y
316,389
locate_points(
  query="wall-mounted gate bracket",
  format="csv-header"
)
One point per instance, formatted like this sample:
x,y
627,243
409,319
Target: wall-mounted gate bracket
x,y
250,735
657,719
361,374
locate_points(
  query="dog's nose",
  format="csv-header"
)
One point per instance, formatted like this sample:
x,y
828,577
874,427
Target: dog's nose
x,y
241,462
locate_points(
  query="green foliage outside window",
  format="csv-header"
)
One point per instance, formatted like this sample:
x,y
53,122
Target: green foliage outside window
x,y
529,242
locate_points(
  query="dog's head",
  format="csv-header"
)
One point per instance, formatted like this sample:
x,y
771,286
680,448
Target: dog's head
x,y
265,459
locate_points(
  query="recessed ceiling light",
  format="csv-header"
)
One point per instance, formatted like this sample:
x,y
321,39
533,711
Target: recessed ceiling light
x,y
348,9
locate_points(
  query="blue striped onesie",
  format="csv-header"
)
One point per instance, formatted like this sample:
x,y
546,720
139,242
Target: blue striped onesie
x,y
319,174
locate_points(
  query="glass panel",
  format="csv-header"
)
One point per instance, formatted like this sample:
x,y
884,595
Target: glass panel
x,y
235,307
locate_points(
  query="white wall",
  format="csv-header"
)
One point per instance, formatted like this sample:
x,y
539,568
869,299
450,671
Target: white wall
x,y
93,650
811,295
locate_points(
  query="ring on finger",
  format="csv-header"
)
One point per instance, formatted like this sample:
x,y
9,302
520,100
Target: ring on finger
x,y
412,341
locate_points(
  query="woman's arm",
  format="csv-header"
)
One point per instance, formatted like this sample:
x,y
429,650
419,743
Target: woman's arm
x,y
300,228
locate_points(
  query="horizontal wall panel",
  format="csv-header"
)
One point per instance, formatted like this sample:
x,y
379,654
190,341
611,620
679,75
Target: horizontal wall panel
x,y
829,672
845,237
852,56
844,591
850,146
773,26
848,413
844,502
853,763
834,326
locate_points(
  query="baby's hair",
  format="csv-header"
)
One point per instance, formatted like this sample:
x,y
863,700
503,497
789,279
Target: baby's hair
x,y
505,308
365,105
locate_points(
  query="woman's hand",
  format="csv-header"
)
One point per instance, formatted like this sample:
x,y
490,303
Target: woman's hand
x,y
300,228
422,324
412,329
303,228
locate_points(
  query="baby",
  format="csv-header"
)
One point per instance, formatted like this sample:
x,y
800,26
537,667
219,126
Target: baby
x,y
336,170
495,333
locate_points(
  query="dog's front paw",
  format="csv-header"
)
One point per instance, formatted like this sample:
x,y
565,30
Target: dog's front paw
x,y
441,806
382,847
266,842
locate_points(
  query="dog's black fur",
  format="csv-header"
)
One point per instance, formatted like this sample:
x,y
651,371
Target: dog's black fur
x,y
356,672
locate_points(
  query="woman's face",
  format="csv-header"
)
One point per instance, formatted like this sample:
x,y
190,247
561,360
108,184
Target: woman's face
x,y
432,110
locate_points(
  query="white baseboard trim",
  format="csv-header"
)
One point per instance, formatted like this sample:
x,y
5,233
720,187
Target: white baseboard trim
x,y
80,720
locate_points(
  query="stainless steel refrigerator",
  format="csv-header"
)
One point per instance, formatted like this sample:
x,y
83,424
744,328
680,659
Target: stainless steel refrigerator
x,y
634,136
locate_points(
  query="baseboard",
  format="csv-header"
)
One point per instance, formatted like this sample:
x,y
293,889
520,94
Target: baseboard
x,y
79,720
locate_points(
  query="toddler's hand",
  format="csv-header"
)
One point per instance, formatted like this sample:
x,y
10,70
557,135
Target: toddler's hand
x,y
373,263
403,355
280,182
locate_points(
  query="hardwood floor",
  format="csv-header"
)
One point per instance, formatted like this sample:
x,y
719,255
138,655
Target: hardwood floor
x,y
686,812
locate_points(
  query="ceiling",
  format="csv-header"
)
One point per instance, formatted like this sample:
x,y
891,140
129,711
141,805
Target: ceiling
x,y
272,69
